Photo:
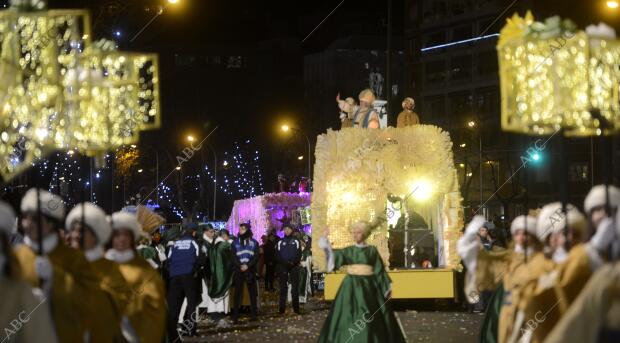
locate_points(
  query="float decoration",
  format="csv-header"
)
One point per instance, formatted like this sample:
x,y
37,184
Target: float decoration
x,y
356,170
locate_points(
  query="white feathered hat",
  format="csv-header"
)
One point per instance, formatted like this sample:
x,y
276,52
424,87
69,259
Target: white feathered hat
x,y
94,218
7,218
551,220
596,197
50,204
523,222
128,221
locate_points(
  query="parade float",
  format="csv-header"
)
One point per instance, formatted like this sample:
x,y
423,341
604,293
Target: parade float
x,y
271,211
390,177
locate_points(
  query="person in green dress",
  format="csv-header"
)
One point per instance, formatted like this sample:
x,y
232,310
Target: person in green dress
x,y
220,260
305,272
361,311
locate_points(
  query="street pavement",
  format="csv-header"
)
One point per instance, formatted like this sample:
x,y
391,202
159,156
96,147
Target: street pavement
x,y
422,321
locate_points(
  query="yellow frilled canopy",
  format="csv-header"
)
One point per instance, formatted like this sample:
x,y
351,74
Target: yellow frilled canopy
x,y
552,77
356,169
58,90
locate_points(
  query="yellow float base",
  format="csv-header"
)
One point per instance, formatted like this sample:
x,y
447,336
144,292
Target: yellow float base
x,y
406,284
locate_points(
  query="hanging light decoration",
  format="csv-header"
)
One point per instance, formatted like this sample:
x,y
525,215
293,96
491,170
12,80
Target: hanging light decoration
x,y
58,90
554,77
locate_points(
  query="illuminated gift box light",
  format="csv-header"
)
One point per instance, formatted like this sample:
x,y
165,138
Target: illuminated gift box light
x,y
552,76
355,171
60,91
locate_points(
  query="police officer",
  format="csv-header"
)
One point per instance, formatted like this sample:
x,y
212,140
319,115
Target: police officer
x,y
245,258
288,255
182,258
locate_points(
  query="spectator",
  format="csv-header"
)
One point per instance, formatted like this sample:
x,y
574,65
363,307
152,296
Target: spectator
x,y
485,238
288,255
269,254
245,258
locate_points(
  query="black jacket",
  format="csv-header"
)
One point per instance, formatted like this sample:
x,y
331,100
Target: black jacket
x,y
288,252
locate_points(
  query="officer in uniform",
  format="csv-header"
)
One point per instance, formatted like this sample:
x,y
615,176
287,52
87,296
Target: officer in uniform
x,y
245,258
182,259
288,255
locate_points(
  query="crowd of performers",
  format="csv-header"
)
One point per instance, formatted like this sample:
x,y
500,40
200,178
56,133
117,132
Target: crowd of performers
x,y
558,281
364,115
89,277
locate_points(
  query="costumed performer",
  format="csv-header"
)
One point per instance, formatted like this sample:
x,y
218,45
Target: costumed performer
x,y
220,261
147,307
363,295
88,230
554,290
366,116
61,274
500,271
407,117
595,315
348,107
18,302
305,272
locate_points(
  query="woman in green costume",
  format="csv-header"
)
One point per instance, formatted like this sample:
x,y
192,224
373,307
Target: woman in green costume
x,y
361,311
220,259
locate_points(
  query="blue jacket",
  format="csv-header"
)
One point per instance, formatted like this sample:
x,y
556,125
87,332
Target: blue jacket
x,y
182,256
245,252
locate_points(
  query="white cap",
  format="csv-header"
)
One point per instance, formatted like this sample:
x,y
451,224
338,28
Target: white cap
x,y
50,204
552,220
596,197
523,222
94,218
128,221
7,218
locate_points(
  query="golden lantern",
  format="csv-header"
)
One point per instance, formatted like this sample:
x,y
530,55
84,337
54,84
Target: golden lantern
x,y
60,91
554,77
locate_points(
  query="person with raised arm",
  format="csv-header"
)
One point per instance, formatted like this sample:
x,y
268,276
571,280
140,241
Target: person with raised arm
x,y
361,311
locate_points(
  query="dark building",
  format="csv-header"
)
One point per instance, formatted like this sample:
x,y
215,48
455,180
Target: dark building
x,y
345,68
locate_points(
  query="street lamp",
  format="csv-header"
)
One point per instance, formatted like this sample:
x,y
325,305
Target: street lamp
x,y
190,138
139,170
300,157
178,168
287,128
160,12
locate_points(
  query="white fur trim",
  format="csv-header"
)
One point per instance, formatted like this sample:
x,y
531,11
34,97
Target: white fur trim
x,y
94,218
552,220
596,197
51,205
523,223
94,254
125,220
49,243
120,256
